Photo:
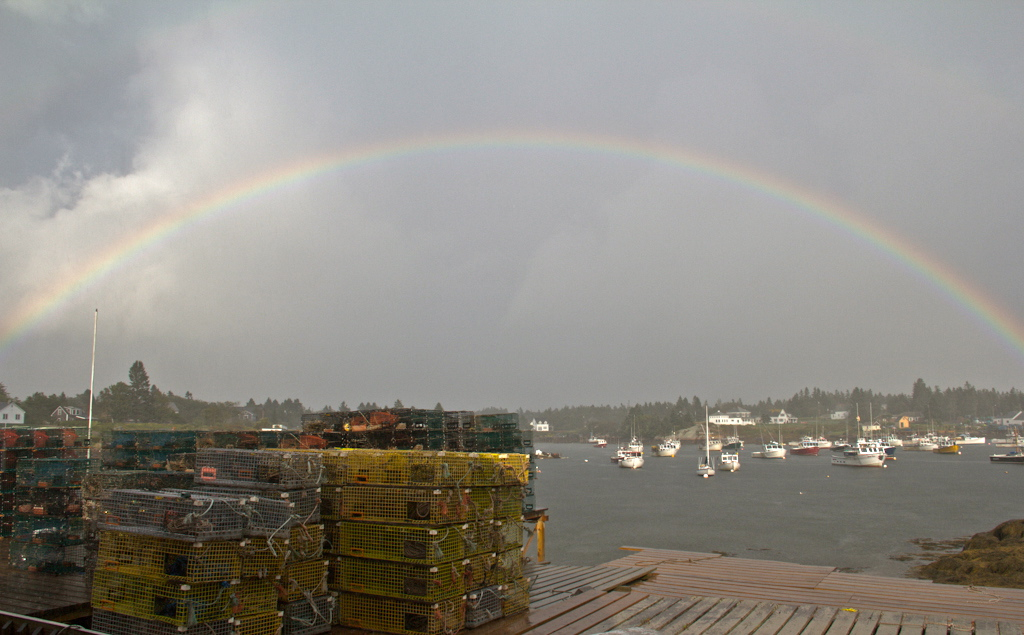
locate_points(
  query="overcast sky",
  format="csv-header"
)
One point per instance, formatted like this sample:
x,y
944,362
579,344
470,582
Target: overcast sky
x,y
582,271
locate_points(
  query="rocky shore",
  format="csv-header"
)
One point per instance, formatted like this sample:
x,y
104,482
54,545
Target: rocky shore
x,y
992,558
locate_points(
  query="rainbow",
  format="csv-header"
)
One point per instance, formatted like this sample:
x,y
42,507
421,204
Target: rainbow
x,y
32,310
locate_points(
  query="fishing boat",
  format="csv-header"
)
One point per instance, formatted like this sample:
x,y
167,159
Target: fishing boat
x,y
771,450
970,440
631,456
729,461
806,447
860,456
1013,456
631,459
711,444
705,466
598,442
732,444
946,446
666,448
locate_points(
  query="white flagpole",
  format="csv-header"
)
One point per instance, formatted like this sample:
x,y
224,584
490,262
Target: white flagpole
x,y
92,379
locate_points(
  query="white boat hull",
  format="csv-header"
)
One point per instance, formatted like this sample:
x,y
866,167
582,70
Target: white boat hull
x,y
631,462
729,464
859,459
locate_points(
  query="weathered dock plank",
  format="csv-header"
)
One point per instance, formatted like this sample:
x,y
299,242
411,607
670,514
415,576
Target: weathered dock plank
x,y
843,622
776,620
821,621
740,610
761,612
612,621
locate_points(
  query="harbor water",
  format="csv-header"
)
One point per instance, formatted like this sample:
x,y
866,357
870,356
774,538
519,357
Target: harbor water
x,y
801,509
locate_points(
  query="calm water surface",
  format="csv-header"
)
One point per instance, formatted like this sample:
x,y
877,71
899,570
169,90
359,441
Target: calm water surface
x,y
801,509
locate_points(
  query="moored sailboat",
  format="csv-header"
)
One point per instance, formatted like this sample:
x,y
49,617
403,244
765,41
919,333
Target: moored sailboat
x,y
706,467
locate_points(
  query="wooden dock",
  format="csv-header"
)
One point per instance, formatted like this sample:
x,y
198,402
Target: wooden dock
x,y
674,592
60,598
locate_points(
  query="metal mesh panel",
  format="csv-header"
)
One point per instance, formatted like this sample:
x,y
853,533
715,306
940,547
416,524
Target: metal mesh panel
x,y
401,616
272,513
54,472
263,623
506,534
48,530
494,568
309,616
166,559
59,502
496,503
98,484
516,596
409,505
262,469
400,543
484,605
425,583
47,558
119,624
179,515
405,467
262,556
180,604
302,579
331,498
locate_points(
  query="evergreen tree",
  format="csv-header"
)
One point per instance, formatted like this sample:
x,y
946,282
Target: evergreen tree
x,y
141,394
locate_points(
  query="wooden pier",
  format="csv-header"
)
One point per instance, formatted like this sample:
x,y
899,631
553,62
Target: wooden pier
x,y
672,592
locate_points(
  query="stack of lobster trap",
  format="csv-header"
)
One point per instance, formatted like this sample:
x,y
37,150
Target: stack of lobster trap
x,y
241,552
424,542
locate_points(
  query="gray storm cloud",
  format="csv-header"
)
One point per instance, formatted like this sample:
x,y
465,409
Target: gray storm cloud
x,y
515,276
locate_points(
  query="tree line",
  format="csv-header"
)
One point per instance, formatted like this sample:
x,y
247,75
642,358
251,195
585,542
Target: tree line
x,y
943,406
139,401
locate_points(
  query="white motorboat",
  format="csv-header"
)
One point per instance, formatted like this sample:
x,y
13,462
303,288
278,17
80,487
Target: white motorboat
x,y
666,448
970,440
631,459
729,461
860,456
771,450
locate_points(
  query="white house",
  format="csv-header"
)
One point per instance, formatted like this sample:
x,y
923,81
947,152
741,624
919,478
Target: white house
x,y
782,418
11,414
1015,420
540,426
735,418
840,415
67,413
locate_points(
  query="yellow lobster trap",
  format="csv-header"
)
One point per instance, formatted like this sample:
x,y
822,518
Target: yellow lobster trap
x,y
423,583
400,543
166,559
404,617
